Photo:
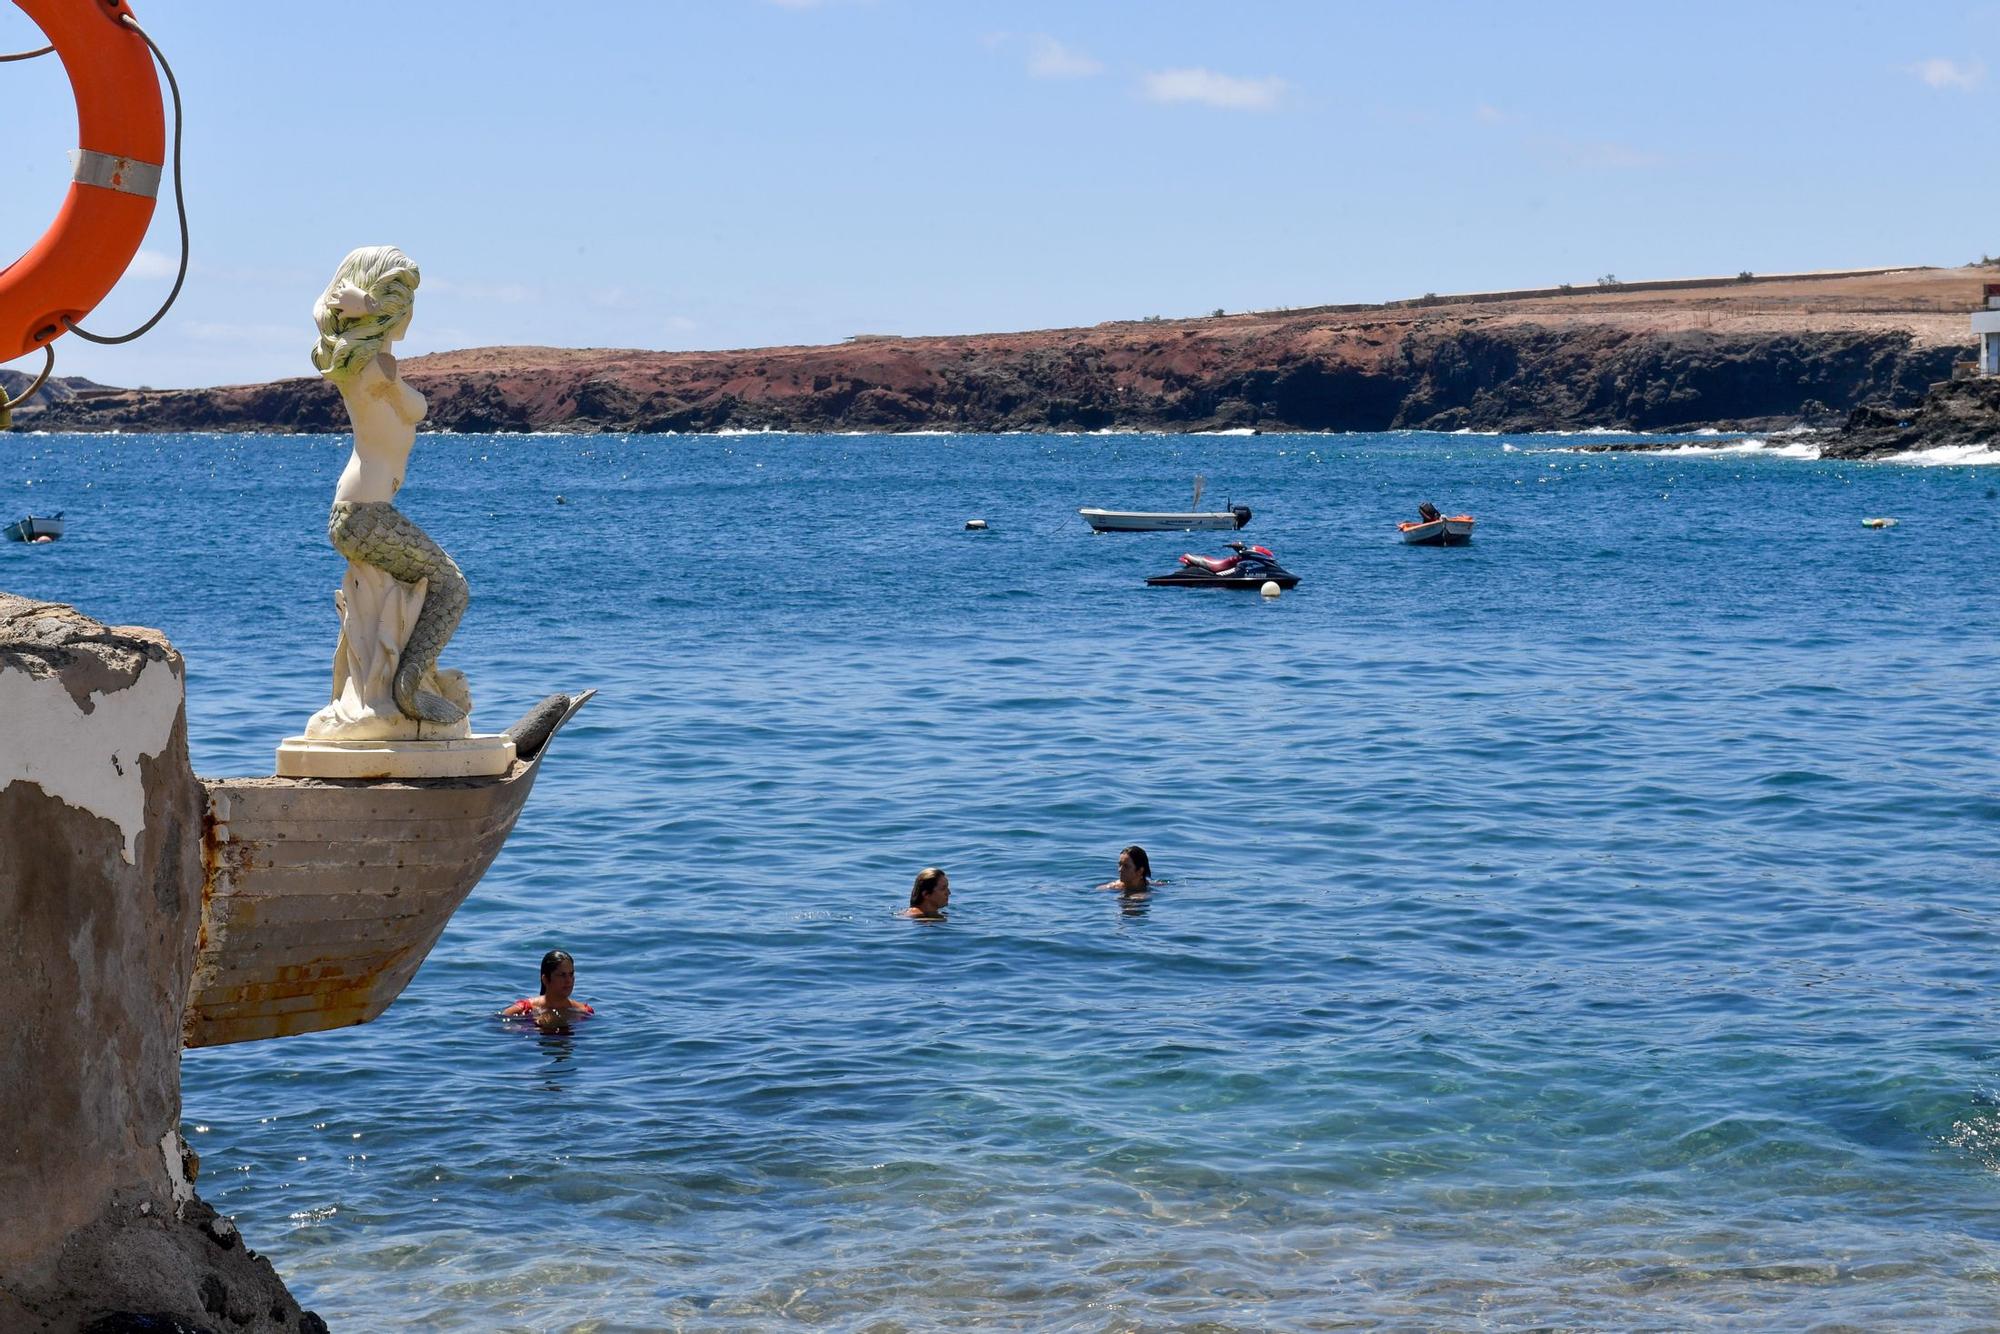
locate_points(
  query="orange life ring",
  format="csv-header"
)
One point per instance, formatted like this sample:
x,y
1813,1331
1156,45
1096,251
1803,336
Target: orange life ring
x,y
121,144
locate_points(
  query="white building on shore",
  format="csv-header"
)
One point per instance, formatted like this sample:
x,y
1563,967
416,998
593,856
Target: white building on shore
x,y
1986,328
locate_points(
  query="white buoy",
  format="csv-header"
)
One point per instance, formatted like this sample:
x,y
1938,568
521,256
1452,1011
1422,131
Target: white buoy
x,y
1270,588
975,525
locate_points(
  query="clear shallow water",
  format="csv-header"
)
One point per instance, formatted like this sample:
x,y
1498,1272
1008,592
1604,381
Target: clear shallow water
x,y
1589,927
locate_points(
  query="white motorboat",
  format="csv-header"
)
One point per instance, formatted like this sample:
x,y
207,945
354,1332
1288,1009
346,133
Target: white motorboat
x,y
1190,520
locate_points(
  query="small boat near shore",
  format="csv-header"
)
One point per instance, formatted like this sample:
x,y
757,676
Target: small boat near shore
x,y
35,528
1193,519
1437,530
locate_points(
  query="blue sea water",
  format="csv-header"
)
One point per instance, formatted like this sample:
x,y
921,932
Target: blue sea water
x,y
1593,927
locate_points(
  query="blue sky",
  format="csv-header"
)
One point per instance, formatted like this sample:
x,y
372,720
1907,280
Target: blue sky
x,y
742,172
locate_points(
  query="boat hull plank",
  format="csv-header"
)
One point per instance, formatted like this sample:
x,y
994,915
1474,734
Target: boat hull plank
x,y
319,854
275,910
293,944
301,994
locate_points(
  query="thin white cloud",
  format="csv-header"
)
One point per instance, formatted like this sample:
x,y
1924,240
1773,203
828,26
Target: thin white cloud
x,y
154,264
507,294
1568,151
1941,73
1612,156
1596,154
1208,88
230,333
291,280
1050,59
437,337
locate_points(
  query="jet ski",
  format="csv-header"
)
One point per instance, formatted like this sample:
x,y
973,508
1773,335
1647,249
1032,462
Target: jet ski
x,y
1250,567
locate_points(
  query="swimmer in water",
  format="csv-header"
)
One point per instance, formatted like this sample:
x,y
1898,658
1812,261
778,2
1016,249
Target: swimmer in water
x,y
1135,872
929,895
553,1010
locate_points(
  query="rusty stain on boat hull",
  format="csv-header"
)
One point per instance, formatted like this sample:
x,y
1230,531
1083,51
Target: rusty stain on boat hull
x,y
323,897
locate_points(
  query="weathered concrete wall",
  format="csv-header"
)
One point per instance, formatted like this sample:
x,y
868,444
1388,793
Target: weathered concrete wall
x,y
100,882
96,806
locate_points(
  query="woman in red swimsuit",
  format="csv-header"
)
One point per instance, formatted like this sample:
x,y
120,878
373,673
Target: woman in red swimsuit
x,y
555,1008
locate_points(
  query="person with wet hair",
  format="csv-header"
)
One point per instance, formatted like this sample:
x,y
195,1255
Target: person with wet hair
x,y
929,895
555,1009
1135,872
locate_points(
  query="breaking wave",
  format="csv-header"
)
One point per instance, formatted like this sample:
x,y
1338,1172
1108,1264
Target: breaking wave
x,y
1949,456
1790,449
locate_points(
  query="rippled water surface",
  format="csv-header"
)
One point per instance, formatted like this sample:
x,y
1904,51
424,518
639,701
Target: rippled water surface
x,y
1590,927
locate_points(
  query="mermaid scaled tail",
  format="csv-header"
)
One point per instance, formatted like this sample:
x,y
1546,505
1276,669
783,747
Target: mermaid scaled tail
x,y
375,533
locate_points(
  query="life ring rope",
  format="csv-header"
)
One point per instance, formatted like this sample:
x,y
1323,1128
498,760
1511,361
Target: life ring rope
x,y
7,405
180,203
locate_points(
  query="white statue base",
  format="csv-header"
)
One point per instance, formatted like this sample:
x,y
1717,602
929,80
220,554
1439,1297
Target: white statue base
x,y
362,733
463,757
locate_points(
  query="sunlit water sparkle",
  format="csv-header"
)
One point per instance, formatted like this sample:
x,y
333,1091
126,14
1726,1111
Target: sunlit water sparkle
x,y
1589,927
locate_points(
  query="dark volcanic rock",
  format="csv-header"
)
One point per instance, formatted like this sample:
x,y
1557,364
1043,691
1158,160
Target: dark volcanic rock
x,y
59,389
1545,380
1953,413
288,406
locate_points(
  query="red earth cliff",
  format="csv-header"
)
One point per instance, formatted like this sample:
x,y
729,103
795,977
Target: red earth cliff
x,y
1744,352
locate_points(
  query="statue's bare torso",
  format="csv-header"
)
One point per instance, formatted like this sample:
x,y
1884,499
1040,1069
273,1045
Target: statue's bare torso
x,y
385,412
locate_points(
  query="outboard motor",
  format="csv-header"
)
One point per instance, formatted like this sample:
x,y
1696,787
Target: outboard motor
x,y
1428,512
1242,513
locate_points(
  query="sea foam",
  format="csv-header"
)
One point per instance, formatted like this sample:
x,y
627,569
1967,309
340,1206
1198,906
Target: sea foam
x,y
1949,456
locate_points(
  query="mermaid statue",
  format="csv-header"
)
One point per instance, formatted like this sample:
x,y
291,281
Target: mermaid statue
x,y
402,595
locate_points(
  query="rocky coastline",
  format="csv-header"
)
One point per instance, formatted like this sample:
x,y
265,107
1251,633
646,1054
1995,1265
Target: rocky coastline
x,y
1958,413
1750,354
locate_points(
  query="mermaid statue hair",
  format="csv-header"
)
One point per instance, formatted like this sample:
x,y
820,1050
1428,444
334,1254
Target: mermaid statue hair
x,y
347,343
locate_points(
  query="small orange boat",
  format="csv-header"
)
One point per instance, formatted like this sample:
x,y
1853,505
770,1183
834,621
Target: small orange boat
x,y
1437,530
